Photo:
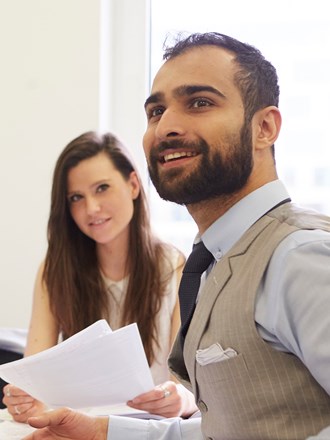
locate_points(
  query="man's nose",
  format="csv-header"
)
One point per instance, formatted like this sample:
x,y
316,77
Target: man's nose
x,y
171,124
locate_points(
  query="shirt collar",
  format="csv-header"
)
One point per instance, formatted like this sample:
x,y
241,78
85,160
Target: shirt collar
x,y
227,230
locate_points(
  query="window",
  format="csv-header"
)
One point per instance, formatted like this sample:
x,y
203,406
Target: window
x,y
295,37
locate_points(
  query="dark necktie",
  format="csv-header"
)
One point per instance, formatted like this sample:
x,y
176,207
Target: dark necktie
x,y
197,262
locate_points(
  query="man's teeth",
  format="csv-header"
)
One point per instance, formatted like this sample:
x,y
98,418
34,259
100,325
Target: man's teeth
x,y
177,155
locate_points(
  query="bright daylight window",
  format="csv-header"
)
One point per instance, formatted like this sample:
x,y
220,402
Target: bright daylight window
x,y
295,36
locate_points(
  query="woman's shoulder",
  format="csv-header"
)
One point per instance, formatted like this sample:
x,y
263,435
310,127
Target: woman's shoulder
x,y
173,257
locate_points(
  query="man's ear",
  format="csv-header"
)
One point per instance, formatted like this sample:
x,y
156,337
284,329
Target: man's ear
x,y
266,127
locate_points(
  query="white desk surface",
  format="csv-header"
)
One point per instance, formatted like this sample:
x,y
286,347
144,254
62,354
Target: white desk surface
x,y
11,430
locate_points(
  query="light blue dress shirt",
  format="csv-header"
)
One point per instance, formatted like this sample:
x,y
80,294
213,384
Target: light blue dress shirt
x,y
292,305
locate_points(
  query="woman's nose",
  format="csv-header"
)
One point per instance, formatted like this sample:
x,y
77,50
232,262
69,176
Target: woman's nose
x,y
92,205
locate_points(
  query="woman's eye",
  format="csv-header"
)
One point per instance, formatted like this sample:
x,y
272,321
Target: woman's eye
x,y
75,198
102,188
201,102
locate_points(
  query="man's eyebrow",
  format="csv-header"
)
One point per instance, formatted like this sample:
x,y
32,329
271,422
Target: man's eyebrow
x,y
187,90
154,98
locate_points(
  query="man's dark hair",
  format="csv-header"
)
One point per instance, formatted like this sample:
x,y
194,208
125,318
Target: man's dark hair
x,y
256,78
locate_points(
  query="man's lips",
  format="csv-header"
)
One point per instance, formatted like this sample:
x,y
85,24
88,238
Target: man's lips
x,y
175,155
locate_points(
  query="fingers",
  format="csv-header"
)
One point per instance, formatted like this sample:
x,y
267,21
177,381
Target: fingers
x,y
20,415
66,423
163,400
16,396
159,392
6,390
21,408
24,400
166,391
49,418
17,402
40,421
21,405
12,391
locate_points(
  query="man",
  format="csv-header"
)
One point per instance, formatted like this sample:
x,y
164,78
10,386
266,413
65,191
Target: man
x,y
256,353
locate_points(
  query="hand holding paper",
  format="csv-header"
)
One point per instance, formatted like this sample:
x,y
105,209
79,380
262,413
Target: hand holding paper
x,y
95,367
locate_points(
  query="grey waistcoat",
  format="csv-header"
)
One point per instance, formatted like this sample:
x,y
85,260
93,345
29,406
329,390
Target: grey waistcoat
x,y
261,394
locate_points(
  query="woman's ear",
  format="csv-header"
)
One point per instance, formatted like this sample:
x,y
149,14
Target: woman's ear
x,y
267,125
135,185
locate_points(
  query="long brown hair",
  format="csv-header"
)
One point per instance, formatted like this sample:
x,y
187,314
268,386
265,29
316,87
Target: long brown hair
x,y
78,295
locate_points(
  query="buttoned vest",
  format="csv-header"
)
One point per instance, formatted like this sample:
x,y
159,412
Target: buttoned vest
x,y
262,393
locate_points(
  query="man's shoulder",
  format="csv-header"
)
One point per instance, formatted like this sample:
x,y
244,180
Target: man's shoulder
x,y
301,217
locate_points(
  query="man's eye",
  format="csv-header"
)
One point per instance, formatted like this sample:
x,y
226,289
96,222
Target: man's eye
x,y
102,188
201,102
155,111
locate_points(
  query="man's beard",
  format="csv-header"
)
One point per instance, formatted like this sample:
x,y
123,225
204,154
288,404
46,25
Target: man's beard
x,y
215,176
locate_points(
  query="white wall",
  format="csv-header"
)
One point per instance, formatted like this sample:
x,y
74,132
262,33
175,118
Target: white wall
x,y
67,66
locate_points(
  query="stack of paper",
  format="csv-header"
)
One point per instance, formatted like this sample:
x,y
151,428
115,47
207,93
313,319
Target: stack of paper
x,y
95,367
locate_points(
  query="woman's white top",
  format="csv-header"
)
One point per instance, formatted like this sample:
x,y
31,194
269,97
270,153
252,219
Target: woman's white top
x,y
116,294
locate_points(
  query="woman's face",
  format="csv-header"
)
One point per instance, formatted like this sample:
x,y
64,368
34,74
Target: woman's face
x,y
100,199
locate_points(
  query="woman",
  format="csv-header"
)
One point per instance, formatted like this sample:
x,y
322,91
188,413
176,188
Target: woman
x,y
104,262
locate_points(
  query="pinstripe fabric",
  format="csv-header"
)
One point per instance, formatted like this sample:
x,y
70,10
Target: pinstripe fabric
x,y
261,394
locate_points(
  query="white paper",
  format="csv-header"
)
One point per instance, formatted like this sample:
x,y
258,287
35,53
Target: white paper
x,y
95,367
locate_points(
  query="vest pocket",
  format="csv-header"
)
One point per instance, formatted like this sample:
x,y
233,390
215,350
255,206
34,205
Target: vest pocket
x,y
224,370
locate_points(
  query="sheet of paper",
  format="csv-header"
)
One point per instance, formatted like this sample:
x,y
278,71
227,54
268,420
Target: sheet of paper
x,y
95,367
